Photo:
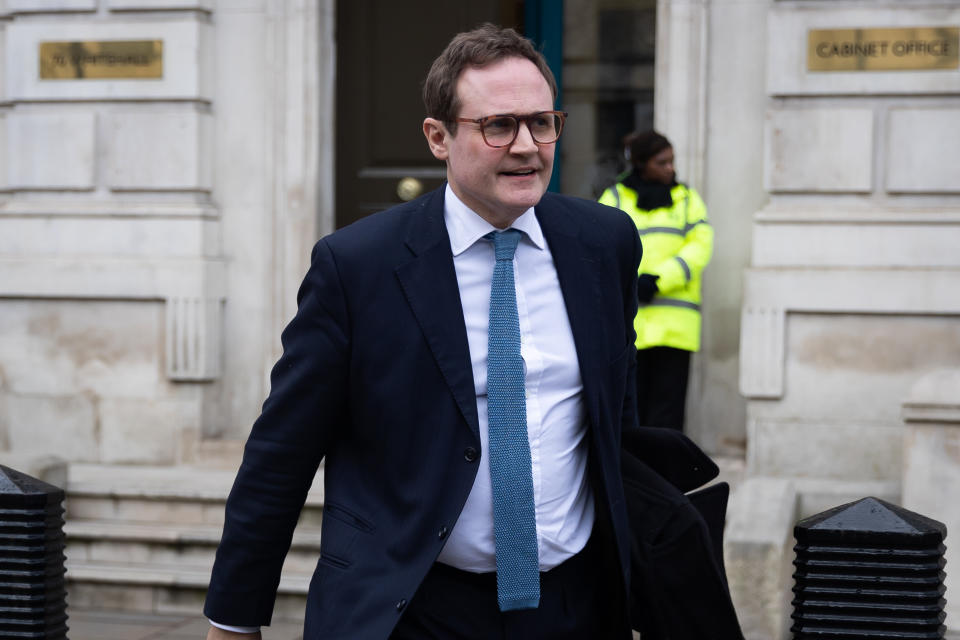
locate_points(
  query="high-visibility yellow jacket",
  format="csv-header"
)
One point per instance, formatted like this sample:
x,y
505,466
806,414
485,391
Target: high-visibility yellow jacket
x,y
677,244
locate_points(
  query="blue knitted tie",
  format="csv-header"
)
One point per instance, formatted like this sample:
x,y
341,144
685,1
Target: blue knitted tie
x,y
514,522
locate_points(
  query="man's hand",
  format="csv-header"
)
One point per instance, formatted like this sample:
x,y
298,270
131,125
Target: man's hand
x,y
216,633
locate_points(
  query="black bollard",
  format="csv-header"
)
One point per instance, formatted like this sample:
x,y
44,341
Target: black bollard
x,y
33,596
866,570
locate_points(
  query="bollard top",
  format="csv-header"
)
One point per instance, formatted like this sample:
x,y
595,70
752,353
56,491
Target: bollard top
x,y
18,491
871,520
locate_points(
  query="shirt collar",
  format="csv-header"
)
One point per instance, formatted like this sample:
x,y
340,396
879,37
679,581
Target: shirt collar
x,y
465,227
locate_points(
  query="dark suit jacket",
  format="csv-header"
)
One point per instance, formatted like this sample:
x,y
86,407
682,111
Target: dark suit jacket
x,y
376,378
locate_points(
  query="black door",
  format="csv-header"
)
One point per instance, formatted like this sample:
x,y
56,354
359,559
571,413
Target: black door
x,y
384,49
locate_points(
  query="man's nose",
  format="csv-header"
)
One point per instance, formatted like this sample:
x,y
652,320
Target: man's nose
x,y
524,143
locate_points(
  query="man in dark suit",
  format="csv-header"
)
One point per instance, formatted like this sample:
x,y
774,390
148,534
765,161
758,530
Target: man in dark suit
x,y
464,365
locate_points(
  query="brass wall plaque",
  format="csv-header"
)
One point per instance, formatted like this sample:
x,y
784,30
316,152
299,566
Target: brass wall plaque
x,y
899,49
106,60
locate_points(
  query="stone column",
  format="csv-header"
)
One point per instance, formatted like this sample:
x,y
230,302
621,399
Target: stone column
x,y
931,466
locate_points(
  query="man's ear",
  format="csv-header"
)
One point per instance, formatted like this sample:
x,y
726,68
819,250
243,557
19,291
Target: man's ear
x,y
437,137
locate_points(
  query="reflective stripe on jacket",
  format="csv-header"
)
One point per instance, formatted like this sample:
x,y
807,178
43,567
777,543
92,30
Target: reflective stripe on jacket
x,y
677,244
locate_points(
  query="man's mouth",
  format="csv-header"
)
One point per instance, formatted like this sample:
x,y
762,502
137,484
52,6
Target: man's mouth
x,y
519,172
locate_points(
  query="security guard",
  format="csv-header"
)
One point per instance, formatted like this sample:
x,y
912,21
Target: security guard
x,y
677,243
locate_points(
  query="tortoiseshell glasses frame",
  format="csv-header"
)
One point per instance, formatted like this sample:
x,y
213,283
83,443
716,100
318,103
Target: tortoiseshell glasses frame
x,y
501,130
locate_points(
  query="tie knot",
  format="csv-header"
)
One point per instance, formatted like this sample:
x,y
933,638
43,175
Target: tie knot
x,y
505,243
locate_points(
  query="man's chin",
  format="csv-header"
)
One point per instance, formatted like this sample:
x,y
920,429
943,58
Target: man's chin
x,y
522,199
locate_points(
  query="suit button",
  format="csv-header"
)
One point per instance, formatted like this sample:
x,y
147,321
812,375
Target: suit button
x,y
443,533
401,604
469,454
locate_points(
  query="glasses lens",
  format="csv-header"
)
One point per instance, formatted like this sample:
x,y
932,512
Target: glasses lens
x,y
499,130
545,127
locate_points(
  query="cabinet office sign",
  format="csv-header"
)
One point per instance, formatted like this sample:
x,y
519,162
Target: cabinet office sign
x,y
105,60
901,49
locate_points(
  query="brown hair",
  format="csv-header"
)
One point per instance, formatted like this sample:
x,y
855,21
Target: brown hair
x,y
484,45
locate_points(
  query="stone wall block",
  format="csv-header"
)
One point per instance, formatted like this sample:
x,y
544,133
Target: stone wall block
x,y
51,151
56,348
3,39
819,150
64,426
30,366
194,336
160,151
3,145
806,448
111,277
913,291
931,469
922,154
50,6
789,23
762,351
857,243
142,431
857,368
758,552
114,236
186,51
153,5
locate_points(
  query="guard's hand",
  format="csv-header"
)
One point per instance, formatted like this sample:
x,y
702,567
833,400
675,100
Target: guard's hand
x,y
215,633
646,287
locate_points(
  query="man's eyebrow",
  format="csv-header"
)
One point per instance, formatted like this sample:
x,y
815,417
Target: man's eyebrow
x,y
512,115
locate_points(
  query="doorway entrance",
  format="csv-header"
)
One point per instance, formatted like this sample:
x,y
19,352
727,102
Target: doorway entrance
x,y
384,49
602,52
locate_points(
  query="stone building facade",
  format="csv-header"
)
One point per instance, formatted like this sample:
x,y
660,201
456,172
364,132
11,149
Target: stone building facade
x,y
153,230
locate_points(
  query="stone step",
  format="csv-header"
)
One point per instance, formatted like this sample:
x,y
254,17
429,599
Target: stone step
x,y
179,482
145,573
183,495
185,483
143,539
147,588
167,533
158,544
143,510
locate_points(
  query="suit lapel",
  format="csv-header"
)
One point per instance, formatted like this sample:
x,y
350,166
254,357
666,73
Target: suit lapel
x,y
429,283
578,264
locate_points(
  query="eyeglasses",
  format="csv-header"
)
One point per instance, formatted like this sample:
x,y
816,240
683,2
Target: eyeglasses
x,y
501,130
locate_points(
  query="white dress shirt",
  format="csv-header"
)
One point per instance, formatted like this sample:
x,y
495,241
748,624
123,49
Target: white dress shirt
x,y
556,422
